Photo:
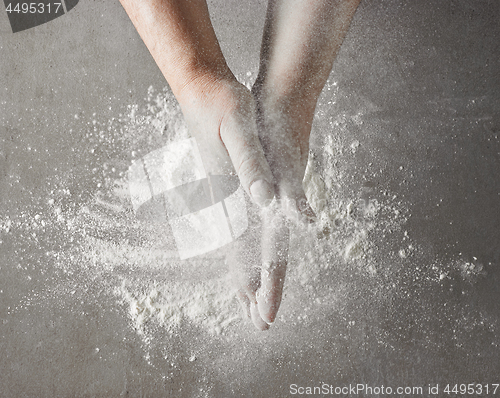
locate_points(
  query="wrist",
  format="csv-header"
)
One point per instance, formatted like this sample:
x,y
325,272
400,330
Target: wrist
x,y
207,87
198,80
285,98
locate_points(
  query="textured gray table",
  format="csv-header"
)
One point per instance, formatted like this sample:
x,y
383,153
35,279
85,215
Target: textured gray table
x,y
413,112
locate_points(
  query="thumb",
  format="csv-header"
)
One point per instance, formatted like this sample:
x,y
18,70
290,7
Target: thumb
x,y
239,135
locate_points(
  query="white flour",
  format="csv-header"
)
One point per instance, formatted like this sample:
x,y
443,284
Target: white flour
x,y
209,304
138,262
102,241
191,294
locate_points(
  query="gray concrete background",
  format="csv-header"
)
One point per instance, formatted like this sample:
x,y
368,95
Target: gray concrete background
x,y
424,77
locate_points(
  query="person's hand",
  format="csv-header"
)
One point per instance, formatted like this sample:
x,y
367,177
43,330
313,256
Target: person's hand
x,y
227,122
221,114
259,258
257,263
284,133
284,128
300,42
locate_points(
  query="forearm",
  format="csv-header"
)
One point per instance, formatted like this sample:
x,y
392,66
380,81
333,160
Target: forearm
x,y
301,41
181,39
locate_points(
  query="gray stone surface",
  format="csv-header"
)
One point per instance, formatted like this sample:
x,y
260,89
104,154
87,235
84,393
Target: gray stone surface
x,y
417,86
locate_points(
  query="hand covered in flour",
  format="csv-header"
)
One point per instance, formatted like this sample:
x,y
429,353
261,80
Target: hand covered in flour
x,y
222,116
300,42
219,111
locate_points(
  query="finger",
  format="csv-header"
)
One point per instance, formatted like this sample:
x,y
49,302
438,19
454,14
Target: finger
x,y
270,293
239,135
244,265
275,243
247,298
294,203
250,298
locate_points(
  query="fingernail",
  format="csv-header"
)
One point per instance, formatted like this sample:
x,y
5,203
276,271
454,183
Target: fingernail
x,y
262,192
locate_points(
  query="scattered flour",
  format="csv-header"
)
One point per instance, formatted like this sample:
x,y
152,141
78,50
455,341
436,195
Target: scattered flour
x,y
137,261
209,304
98,236
341,236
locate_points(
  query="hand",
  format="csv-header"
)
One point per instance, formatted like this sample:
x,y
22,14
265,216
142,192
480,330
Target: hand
x,y
220,114
259,283
284,133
